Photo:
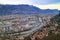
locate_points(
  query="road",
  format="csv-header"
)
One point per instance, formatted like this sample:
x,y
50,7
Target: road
x,y
28,32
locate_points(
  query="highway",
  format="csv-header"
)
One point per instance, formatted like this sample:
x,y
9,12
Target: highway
x,y
28,32
33,30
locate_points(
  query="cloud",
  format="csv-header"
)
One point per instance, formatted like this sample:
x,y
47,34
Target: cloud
x,y
40,2
16,2
49,6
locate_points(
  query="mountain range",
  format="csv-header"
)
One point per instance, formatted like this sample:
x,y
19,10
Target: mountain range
x,y
25,9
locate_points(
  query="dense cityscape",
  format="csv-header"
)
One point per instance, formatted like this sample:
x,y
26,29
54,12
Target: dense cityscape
x,y
22,26
27,22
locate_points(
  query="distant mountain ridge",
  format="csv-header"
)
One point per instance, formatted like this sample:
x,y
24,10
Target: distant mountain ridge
x,y
25,9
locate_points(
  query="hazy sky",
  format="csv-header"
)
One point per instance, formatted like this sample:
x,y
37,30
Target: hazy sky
x,y
43,4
